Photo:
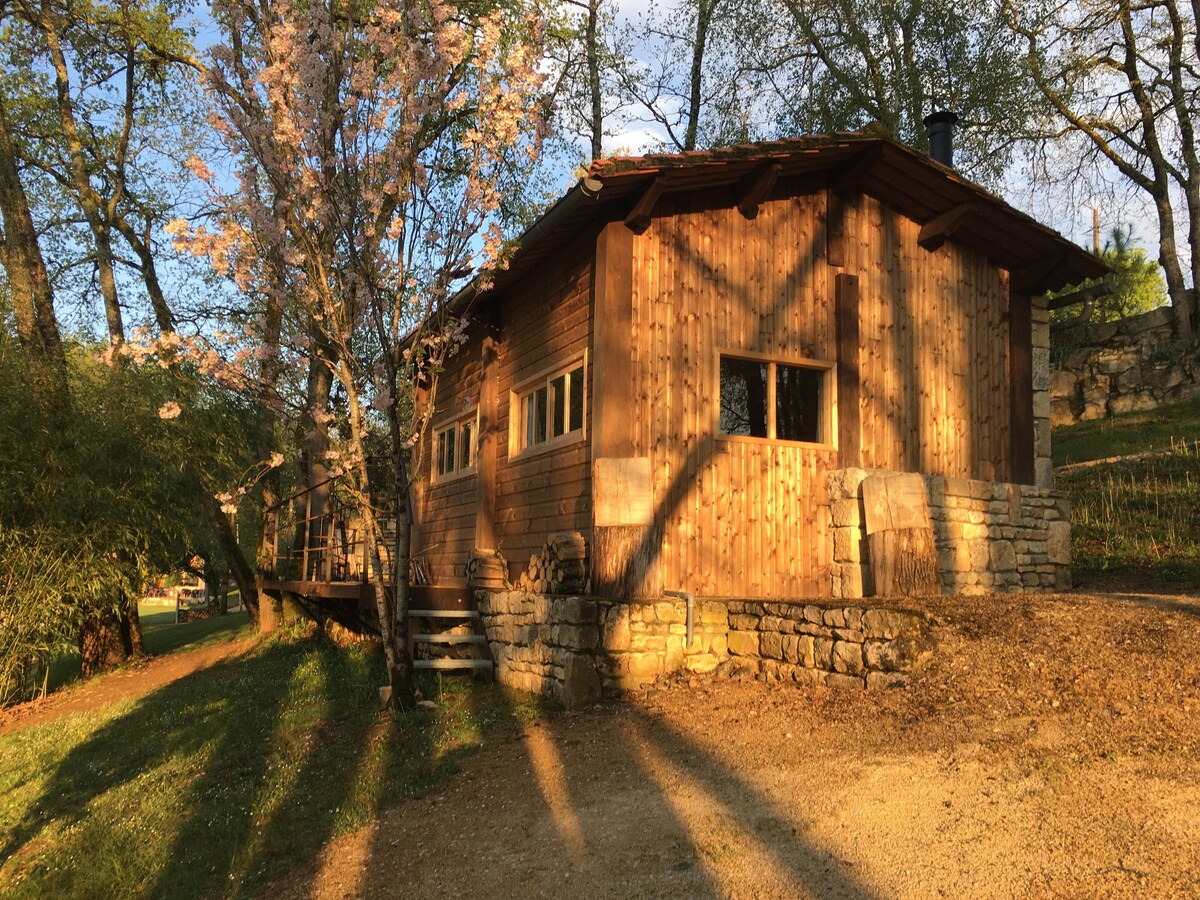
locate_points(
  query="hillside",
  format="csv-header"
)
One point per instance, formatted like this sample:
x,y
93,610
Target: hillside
x,y
1134,485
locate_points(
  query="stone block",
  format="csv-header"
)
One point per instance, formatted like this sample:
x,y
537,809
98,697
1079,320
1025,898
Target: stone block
x,y
845,513
577,611
773,623
702,663
616,629
791,648
580,683
1003,556
823,653
846,544
847,657
1058,543
801,675
1041,368
814,614
743,622
835,618
804,650
643,663
743,643
873,654
770,645
845,682
853,583
1043,472
666,611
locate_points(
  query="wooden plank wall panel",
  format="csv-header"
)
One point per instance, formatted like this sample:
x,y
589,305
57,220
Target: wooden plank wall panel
x,y
546,325
446,511
934,330
738,518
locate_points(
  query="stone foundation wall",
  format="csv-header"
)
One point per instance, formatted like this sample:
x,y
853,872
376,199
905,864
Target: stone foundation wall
x,y
991,536
573,649
1122,367
577,649
853,647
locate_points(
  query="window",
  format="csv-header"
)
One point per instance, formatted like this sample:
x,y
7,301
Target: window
x,y
454,448
549,409
782,401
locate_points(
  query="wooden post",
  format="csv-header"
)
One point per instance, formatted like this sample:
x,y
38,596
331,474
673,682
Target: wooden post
x,y
485,454
848,376
624,557
1020,386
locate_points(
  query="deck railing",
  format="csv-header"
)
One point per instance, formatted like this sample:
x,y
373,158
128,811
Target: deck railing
x,y
321,537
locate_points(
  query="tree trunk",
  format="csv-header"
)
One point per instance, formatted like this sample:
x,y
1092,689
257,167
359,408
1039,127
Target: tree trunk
x,y
100,643
131,623
244,575
29,283
595,96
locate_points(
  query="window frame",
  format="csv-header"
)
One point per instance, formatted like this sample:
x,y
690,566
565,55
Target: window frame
x,y
455,424
517,425
827,422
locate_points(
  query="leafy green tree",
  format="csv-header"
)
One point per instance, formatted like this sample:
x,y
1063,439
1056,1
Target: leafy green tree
x,y
1139,286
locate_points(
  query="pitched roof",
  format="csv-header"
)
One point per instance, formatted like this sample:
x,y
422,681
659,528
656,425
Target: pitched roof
x,y
1038,257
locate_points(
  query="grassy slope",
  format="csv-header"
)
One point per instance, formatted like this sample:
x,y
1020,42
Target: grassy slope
x,y
1155,429
160,634
219,782
1141,516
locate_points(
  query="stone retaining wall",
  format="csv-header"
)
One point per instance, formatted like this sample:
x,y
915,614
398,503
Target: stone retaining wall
x,y
1122,367
576,649
839,646
991,536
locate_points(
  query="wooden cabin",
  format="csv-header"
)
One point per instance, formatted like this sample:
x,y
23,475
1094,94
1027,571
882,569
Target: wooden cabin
x,y
685,349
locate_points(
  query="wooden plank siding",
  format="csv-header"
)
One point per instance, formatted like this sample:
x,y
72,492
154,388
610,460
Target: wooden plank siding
x,y
541,324
748,517
931,385
446,510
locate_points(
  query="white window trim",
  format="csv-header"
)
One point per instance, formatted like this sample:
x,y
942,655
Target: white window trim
x,y
456,423
526,386
828,422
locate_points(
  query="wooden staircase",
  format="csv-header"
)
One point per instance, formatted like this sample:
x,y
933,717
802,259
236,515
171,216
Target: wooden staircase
x,y
447,632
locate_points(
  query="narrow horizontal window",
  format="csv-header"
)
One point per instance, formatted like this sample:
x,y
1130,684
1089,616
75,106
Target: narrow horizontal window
x,y
551,409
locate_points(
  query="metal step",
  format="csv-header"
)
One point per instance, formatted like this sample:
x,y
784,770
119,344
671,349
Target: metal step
x,y
444,638
452,664
443,613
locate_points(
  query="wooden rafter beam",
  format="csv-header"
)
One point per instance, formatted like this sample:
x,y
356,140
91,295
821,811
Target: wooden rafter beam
x,y
937,231
638,219
756,187
1031,278
1093,292
847,177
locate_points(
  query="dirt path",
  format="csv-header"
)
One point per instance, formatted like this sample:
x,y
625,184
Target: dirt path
x,y
1051,750
133,680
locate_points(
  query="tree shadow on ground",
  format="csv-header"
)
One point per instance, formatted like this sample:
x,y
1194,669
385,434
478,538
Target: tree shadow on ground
x,y
640,810
218,782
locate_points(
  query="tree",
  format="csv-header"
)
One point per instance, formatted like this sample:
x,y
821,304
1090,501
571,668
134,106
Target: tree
x,y
1139,286
1122,79
375,143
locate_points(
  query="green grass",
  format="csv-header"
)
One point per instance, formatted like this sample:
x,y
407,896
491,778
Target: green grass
x,y
160,634
218,783
1157,429
1137,517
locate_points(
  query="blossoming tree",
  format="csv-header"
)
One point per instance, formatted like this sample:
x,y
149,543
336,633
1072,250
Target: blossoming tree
x,y
374,143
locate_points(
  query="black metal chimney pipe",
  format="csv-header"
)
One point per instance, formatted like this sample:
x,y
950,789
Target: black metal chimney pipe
x,y
940,128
